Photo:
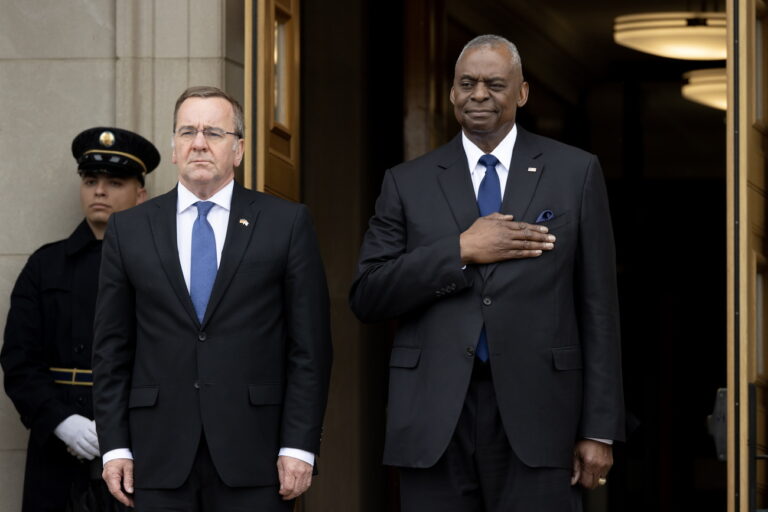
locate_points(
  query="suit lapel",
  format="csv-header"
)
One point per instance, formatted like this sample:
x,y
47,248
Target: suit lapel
x,y
521,181
163,225
456,184
525,170
238,236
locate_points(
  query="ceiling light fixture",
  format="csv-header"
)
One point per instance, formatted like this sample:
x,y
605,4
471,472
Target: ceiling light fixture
x,y
706,86
678,35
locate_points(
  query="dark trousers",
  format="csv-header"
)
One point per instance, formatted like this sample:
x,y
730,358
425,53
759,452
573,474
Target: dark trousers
x,y
205,492
479,471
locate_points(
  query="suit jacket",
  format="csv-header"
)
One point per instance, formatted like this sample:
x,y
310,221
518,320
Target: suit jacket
x,y
253,376
552,322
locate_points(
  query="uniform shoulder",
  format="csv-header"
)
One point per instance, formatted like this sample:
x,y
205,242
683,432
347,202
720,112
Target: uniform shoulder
x,y
49,248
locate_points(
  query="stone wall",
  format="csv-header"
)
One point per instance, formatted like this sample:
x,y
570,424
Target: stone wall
x,y
69,65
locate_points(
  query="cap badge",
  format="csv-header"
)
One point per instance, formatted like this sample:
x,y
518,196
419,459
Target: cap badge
x,y
107,138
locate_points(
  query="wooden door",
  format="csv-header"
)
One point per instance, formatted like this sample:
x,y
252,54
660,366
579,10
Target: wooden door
x,y
747,280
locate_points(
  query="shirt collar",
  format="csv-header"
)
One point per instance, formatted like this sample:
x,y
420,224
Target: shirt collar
x,y
221,198
80,238
503,151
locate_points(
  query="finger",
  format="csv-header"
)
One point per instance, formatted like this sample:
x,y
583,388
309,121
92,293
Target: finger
x,y
128,477
576,471
529,232
112,478
287,484
588,480
91,443
80,451
499,216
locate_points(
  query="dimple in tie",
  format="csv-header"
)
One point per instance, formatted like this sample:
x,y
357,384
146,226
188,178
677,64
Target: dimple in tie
x,y
488,202
203,270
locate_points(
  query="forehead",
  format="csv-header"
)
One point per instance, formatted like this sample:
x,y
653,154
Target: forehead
x,y
205,111
486,62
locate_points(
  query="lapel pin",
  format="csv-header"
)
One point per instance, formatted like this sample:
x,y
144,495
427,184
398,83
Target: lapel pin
x,y
531,169
244,222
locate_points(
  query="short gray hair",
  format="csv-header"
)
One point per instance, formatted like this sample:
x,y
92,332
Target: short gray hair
x,y
206,91
493,41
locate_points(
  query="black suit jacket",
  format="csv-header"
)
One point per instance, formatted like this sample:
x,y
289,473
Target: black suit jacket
x,y
552,322
253,377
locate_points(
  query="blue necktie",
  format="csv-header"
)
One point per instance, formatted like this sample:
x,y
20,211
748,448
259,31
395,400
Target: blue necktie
x,y
488,201
203,271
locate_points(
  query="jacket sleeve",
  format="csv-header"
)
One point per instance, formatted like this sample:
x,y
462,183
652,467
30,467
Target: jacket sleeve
x,y
309,354
113,344
27,377
393,279
597,302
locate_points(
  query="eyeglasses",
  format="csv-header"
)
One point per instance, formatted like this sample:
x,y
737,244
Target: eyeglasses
x,y
188,134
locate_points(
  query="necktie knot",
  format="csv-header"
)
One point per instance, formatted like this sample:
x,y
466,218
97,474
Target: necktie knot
x,y
203,207
489,161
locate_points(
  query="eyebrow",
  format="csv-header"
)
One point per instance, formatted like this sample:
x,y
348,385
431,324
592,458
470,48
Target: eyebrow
x,y
192,127
489,79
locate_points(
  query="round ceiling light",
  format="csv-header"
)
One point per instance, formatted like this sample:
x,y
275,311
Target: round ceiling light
x,y
678,35
706,86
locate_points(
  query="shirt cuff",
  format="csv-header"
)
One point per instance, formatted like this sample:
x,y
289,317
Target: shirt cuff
x,y
307,457
117,453
609,442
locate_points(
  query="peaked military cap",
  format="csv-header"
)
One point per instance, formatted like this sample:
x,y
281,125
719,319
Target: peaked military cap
x,y
115,151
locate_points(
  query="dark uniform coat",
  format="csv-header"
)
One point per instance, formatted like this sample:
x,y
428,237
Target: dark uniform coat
x,y
50,324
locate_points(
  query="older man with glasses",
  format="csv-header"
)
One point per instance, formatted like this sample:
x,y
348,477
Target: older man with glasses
x,y
212,348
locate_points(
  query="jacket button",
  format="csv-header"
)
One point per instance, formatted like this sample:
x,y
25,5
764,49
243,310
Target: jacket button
x,y
79,348
470,351
201,336
80,400
196,385
487,301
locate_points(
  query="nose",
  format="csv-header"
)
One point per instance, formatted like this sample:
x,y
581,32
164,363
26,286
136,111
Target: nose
x,y
199,143
480,91
101,187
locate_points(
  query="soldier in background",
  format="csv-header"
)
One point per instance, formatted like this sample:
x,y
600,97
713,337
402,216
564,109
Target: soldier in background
x,y
46,356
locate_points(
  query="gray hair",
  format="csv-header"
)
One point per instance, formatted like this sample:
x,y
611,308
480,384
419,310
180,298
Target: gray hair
x,y
204,91
493,41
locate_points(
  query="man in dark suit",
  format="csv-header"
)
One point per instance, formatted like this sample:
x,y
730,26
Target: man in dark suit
x,y
212,342
46,357
495,253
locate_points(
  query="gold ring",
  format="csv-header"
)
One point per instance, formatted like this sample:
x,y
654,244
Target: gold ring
x,y
602,481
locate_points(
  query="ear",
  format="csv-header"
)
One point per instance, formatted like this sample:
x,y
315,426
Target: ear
x,y
522,97
452,95
239,151
142,195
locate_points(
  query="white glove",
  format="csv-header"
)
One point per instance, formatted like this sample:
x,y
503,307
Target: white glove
x,y
79,434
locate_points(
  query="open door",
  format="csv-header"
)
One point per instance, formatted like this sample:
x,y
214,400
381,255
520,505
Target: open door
x,y
747,279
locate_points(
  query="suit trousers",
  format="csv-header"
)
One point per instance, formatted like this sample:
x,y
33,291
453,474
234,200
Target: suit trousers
x,y
204,491
479,471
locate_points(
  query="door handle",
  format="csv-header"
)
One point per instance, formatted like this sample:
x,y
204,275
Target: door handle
x,y
717,424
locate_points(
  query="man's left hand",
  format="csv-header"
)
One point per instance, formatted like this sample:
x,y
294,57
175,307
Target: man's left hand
x,y
591,461
295,477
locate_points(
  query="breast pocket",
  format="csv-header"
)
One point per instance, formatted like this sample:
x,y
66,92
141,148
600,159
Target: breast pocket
x,y
404,357
557,220
143,397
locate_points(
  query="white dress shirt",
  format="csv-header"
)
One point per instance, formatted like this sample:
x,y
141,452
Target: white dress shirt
x,y
502,152
218,218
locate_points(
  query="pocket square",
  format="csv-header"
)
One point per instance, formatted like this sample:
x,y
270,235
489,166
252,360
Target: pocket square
x,y
544,216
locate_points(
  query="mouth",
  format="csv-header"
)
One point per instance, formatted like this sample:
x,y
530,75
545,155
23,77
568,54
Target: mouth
x,y
480,113
100,206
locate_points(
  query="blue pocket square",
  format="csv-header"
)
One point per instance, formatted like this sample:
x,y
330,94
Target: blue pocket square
x,y
544,216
